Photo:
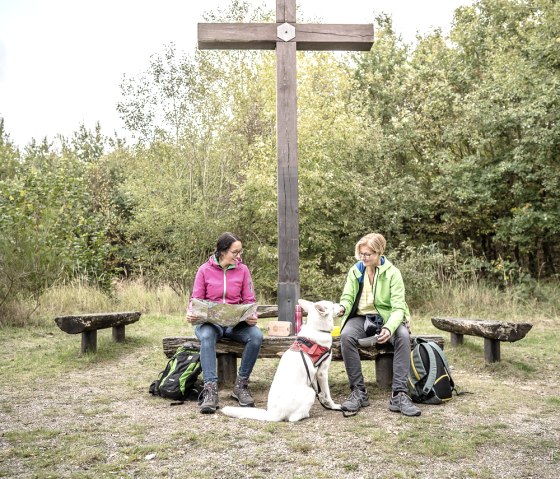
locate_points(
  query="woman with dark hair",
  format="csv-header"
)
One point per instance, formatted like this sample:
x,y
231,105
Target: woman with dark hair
x,y
225,279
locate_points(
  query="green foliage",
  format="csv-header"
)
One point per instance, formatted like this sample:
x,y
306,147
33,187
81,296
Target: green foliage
x,y
49,230
448,147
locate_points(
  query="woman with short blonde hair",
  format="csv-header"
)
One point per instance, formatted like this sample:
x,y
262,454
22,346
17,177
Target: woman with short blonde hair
x,y
374,309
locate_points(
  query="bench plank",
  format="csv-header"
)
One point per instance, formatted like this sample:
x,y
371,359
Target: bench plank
x,y
75,324
498,330
492,331
274,346
228,352
88,324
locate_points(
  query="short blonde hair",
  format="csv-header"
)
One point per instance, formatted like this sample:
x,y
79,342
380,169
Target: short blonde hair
x,y
375,241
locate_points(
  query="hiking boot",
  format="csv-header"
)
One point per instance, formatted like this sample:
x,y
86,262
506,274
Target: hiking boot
x,y
208,398
358,398
403,404
241,392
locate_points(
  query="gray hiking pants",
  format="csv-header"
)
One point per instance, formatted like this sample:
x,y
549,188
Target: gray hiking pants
x,y
354,330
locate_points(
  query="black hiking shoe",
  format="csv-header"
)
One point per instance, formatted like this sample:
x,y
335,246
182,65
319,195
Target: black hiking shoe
x,y
403,404
358,398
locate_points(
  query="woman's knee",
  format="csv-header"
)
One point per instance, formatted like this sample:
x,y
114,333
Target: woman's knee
x,y
207,333
255,335
402,335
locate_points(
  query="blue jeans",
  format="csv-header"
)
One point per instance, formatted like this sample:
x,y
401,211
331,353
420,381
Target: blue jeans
x,y
209,334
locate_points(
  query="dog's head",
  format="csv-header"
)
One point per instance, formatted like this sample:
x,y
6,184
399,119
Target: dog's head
x,y
319,315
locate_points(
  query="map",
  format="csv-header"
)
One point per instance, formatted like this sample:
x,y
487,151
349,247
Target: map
x,y
221,313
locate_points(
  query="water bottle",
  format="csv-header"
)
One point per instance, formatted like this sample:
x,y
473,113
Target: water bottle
x,y
297,324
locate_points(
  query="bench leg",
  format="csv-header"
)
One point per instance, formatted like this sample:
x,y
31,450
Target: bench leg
x,y
89,341
456,339
118,333
227,369
491,350
384,370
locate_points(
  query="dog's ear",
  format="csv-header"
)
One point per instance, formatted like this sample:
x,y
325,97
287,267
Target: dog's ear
x,y
306,305
319,307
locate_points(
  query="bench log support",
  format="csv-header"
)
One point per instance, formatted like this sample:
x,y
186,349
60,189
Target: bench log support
x,y
89,341
456,339
384,370
118,333
491,350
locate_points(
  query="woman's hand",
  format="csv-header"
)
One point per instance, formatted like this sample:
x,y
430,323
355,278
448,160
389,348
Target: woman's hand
x,y
384,336
252,321
192,319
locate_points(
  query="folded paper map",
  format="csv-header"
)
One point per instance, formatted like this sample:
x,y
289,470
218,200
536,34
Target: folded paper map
x,y
221,313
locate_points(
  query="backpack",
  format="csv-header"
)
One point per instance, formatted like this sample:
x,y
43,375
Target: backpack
x,y
429,379
179,379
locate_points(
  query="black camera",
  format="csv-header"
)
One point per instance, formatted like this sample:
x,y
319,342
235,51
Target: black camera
x,y
373,324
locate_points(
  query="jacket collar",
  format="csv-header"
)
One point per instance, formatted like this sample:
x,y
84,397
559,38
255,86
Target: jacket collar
x,y
214,263
360,267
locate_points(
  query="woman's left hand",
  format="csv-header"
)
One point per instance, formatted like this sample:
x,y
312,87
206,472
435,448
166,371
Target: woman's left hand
x,y
252,321
384,336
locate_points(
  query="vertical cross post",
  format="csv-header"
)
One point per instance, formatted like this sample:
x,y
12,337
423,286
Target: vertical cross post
x,y
286,36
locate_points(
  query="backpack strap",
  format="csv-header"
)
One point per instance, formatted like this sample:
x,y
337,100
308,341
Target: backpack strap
x,y
433,367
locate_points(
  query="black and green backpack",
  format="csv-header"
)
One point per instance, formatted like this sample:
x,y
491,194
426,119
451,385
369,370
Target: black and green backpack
x,y
429,379
179,379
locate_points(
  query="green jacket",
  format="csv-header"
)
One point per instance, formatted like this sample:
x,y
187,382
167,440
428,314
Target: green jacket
x,y
388,296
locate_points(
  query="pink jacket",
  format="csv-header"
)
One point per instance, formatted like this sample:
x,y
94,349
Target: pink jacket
x,y
232,286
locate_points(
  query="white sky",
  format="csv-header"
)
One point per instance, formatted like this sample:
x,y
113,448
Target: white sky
x,y
62,61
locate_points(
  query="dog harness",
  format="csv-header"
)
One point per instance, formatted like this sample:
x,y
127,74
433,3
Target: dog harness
x,y
316,353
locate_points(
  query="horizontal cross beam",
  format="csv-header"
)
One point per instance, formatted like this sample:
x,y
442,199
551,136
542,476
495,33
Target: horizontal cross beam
x,y
264,36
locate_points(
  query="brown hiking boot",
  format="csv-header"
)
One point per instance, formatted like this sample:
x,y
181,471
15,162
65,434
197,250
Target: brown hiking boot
x,y
208,398
241,392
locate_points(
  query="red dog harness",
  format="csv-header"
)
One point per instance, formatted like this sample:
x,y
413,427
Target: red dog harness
x,y
316,353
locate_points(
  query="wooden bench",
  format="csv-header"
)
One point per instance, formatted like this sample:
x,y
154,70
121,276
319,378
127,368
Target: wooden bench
x,y
493,333
88,324
228,351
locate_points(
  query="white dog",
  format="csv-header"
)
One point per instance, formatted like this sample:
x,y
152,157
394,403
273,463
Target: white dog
x,y
293,389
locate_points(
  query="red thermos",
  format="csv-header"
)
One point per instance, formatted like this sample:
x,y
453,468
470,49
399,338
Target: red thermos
x,y
297,324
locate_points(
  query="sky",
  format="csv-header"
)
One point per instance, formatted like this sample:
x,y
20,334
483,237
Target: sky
x,y
62,61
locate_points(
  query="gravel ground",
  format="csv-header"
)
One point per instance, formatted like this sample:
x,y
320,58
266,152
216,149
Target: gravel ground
x,y
101,422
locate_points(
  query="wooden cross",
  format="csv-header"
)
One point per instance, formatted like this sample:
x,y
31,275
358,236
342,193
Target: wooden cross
x,y
286,36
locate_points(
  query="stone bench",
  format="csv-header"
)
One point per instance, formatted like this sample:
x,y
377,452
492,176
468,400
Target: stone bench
x,y
228,351
88,324
493,333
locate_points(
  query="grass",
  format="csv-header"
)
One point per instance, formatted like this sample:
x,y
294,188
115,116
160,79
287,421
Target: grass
x,y
63,414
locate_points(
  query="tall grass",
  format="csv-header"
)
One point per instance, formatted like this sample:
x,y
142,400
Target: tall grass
x,y
450,297
81,297
477,299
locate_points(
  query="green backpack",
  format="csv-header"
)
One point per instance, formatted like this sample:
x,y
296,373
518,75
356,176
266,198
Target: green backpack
x,y
429,378
179,379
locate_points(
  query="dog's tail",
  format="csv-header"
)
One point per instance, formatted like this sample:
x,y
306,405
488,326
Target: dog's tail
x,y
249,413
